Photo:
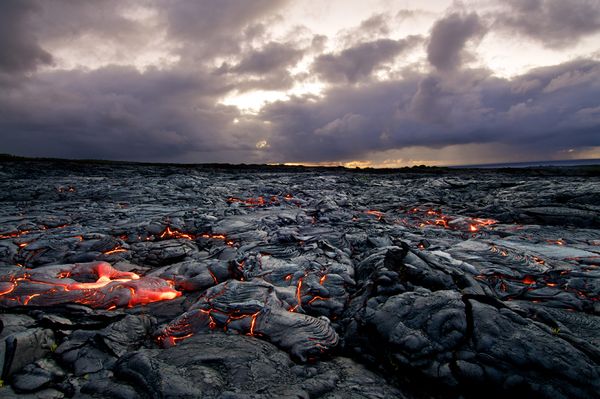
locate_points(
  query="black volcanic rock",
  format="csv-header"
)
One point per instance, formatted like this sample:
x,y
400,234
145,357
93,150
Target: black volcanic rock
x,y
253,308
138,281
234,366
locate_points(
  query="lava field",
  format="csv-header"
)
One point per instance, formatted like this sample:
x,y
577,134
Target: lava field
x,y
165,281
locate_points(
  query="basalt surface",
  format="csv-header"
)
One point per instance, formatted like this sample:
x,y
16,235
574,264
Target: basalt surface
x,y
145,281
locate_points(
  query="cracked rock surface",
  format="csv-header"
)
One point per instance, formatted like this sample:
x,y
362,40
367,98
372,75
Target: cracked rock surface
x,y
142,281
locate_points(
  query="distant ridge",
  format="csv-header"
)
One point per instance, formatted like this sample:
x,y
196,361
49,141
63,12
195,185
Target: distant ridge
x,y
531,164
579,167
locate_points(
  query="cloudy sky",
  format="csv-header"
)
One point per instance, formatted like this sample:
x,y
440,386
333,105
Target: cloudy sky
x,y
353,82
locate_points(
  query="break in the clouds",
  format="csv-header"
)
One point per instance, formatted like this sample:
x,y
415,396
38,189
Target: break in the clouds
x,y
310,82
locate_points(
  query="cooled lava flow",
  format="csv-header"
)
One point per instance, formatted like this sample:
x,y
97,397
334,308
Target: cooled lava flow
x,y
95,284
254,309
432,217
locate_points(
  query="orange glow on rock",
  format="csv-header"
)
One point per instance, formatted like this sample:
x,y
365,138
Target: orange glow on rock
x,y
114,251
299,292
253,323
528,280
433,217
317,298
379,215
29,298
7,290
441,222
538,260
14,234
261,201
63,274
143,296
173,233
112,287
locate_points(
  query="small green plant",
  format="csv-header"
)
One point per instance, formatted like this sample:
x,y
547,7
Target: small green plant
x,y
53,347
555,330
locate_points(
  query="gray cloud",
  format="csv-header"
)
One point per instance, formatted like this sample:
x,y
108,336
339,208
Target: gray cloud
x,y
70,19
377,24
212,27
19,48
440,110
174,113
555,23
449,36
273,56
264,68
120,113
359,62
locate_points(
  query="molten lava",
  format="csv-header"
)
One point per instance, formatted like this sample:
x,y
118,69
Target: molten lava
x,y
528,280
259,201
262,201
115,250
14,234
53,285
173,233
433,217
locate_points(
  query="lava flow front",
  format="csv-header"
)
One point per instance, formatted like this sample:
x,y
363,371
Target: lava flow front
x,y
95,284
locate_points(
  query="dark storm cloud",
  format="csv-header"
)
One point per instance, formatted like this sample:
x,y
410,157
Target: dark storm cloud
x,y
69,19
449,36
555,23
118,112
359,62
558,111
19,48
173,112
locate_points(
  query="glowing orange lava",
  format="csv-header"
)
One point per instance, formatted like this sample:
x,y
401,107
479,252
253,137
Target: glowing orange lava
x,y
115,250
299,292
173,233
528,280
14,234
262,201
433,217
112,287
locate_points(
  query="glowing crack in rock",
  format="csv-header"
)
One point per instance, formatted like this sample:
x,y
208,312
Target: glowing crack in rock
x,y
432,217
253,308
